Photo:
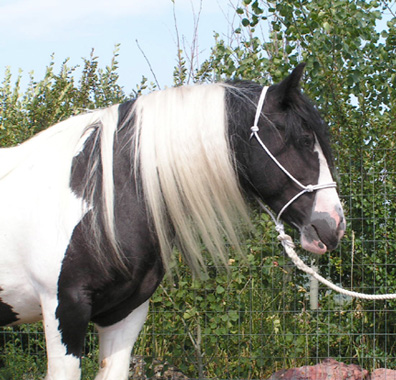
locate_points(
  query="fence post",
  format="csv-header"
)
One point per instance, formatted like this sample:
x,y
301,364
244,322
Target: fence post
x,y
314,289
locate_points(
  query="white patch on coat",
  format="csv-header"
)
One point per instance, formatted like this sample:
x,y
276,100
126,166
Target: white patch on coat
x,y
327,202
39,212
116,342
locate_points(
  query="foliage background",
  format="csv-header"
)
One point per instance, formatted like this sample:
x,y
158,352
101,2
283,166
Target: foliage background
x,y
256,318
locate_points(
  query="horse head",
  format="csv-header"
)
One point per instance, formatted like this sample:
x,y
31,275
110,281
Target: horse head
x,y
288,164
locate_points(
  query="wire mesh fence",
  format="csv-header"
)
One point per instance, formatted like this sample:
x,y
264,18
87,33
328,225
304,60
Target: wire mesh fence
x,y
262,318
264,315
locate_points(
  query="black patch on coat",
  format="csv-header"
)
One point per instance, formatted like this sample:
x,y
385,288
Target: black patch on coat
x,y
7,314
87,291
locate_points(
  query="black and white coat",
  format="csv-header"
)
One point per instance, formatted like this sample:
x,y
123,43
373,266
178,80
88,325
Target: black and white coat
x,y
92,207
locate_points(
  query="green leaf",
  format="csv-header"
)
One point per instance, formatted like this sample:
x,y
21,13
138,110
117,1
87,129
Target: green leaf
x,y
245,22
220,289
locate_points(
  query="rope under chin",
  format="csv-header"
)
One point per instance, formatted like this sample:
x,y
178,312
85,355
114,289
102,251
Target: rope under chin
x,y
289,246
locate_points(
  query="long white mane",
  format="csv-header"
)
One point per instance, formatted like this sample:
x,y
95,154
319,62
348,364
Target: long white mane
x,y
188,172
182,159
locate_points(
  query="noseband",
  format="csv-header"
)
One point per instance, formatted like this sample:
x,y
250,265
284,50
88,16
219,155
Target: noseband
x,y
305,189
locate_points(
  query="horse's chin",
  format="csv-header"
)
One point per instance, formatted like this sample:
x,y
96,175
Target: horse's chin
x,y
311,242
315,246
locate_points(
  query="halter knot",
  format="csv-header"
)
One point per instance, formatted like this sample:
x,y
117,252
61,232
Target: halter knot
x,y
254,130
309,188
286,240
279,227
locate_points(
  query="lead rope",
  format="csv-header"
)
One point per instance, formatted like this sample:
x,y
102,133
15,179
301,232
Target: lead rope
x,y
286,240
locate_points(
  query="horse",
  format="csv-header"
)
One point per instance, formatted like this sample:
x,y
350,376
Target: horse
x,y
92,207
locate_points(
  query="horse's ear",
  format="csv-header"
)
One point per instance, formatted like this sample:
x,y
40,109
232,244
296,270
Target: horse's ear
x,y
290,84
293,80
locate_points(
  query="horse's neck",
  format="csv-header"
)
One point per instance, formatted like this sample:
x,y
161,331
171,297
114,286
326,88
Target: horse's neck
x,y
9,159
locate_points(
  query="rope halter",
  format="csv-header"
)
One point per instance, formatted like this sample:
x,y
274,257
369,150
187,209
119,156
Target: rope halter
x,y
285,239
305,188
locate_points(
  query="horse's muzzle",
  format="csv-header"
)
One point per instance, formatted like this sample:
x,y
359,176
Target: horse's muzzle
x,y
324,231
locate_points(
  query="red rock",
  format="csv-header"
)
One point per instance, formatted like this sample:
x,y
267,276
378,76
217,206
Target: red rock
x,y
383,374
329,369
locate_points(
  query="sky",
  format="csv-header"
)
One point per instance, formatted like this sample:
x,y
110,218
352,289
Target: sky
x,y
32,30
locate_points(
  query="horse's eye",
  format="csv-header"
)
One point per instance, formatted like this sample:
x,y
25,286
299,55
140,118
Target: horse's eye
x,y
306,141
